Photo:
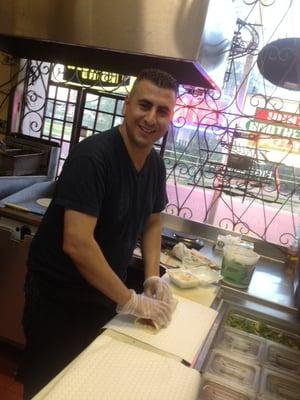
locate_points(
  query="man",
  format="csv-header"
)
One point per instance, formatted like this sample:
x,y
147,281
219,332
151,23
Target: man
x,y
110,193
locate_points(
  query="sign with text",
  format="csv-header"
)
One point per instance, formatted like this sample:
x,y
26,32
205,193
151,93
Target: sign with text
x,y
278,117
270,129
283,125
94,77
280,144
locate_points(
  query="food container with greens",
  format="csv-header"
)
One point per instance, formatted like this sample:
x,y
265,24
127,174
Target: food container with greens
x,y
229,368
279,386
282,358
211,389
263,329
241,343
238,265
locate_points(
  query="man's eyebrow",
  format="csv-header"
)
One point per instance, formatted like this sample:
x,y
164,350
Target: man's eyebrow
x,y
149,103
145,101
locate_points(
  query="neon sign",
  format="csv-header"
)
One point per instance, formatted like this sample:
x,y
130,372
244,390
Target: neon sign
x,y
278,117
94,77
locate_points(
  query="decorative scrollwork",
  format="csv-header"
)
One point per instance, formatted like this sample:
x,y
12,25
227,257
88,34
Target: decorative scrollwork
x,y
230,153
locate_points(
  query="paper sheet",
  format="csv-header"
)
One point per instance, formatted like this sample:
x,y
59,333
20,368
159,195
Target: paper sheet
x,y
184,336
113,370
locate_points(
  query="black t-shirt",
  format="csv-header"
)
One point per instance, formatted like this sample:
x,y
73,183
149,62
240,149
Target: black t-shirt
x,y
99,179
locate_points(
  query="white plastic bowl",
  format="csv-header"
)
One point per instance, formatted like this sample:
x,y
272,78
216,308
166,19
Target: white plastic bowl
x,y
183,278
206,275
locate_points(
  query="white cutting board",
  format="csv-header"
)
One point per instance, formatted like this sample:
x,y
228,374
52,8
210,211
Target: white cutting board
x,y
183,338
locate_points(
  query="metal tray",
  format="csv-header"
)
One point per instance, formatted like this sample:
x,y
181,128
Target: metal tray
x,y
260,326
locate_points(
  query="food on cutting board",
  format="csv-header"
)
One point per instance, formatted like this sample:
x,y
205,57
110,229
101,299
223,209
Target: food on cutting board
x,y
264,330
147,324
151,326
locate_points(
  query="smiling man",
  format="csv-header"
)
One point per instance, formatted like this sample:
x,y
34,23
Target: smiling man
x,y
110,194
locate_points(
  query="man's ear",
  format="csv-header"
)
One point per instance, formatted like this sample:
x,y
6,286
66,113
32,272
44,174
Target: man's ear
x,y
126,102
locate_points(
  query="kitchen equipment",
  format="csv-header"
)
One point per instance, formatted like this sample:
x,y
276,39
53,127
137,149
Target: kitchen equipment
x,y
15,240
20,162
124,36
211,389
240,343
27,155
26,160
170,238
228,367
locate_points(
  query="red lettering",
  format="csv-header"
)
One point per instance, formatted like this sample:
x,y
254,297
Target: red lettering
x,y
282,118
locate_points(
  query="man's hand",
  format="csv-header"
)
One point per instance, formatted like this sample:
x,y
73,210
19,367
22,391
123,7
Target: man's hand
x,y
146,307
157,288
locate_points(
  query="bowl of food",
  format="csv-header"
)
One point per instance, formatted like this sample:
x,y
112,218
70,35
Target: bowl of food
x,y
183,278
206,275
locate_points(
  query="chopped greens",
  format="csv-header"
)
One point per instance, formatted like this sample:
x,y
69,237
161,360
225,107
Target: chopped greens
x,y
264,330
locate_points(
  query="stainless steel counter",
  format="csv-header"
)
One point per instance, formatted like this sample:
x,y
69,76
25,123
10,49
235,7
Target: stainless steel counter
x,y
269,285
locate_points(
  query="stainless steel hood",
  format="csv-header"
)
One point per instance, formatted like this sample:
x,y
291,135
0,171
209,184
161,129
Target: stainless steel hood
x,y
189,38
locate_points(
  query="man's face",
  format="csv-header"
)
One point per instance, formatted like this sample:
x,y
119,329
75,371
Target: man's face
x,y
148,112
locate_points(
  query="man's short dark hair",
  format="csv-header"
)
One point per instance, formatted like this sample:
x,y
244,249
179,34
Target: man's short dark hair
x,y
159,78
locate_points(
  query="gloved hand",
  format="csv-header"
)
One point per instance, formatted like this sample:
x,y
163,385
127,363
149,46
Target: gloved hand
x,y
157,288
146,307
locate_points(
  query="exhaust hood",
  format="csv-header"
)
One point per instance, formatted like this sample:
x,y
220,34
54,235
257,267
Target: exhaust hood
x,y
189,38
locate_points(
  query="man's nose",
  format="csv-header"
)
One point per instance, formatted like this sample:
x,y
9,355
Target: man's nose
x,y
150,116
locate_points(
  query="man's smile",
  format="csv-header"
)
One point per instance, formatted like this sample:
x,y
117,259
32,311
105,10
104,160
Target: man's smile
x,y
147,130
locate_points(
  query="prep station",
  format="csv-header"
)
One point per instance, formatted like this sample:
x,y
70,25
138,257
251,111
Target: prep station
x,y
244,342
28,167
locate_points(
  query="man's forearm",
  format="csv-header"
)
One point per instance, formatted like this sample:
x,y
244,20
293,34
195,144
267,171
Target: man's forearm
x,y
91,263
151,245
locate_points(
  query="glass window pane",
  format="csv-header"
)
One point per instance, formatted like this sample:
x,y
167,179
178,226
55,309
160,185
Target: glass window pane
x,y
57,129
65,147
52,92
104,122
120,105
91,101
88,119
73,95
46,127
59,110
70,112
107,104
68,131
118,121
62,93
49,108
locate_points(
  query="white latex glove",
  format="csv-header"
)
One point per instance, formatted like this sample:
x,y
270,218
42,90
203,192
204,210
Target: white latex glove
x,y
145,307
157,288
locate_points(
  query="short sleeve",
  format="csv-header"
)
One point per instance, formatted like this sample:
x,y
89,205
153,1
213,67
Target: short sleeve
x,y
161,197
81,186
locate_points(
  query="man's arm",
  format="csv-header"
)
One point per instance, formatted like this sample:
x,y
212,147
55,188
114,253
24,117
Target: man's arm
x,y
151,245
80,245
154,286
